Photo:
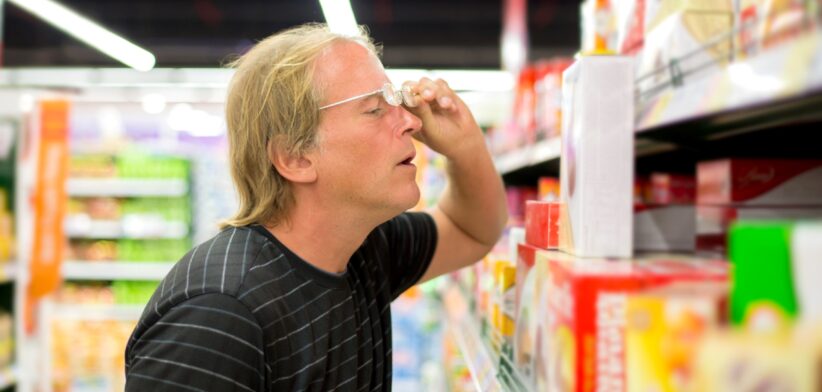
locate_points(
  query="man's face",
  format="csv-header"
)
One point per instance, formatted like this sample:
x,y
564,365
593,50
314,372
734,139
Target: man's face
x,y
365,145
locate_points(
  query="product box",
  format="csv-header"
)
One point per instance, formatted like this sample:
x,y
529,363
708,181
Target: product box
x,y
516,196
548,189
806,253
763,23
760,182
599,27
665,228
542,224
630,16
763,296
714,222
676,28
597,163
744,361
548,88
663,330
580,338
668,188
531,276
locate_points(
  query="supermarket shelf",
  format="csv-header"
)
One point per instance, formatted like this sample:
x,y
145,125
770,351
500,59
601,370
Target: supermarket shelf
x,y
95,312
115,270
8,272
780,85
8,376
82,227
483,367
539,153
118,187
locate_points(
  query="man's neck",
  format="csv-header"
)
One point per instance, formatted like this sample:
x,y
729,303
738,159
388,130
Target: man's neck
x,y
325,238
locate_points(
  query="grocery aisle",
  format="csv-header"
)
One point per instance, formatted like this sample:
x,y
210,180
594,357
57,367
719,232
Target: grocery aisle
x,y
664,190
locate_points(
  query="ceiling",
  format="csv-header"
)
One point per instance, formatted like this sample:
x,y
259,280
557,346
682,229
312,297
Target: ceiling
x,y
205,33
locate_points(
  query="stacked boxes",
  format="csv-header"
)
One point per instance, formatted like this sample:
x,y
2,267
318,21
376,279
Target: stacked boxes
x,y
753,189
597,157
663,330
580,339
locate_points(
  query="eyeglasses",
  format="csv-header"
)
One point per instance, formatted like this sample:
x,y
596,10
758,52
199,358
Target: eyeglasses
x,y
391,95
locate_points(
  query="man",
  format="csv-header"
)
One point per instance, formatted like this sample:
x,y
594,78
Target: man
x,y
294,293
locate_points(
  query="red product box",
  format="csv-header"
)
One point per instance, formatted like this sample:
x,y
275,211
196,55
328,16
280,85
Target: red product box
x,y
714,222
667,188
581,340
760,182
542,224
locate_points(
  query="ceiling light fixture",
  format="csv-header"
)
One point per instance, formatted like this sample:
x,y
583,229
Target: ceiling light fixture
x,y
89,32
340,17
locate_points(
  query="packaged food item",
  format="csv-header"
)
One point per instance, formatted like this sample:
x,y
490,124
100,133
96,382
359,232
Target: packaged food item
x,y
664,327
760,182
542,224
580,338
548,189
530,277
597,157
630,16
736,360
669,188
713,222
599,27
548,106
676,28
763,23
806,253
665,228
763,296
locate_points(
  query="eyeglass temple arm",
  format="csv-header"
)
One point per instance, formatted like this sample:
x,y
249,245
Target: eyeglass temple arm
x,y
350,99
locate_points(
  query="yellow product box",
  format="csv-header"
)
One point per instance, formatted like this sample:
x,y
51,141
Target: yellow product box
x,y
663,328
749,361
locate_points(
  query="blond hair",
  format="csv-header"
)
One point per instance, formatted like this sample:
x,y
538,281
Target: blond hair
x,y
272,96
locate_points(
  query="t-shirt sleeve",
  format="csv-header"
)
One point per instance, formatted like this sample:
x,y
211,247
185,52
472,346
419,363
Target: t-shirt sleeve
x,y
410,240
211,342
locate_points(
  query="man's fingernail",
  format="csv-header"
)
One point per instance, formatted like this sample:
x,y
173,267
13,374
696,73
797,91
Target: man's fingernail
x,y
445,101
428,93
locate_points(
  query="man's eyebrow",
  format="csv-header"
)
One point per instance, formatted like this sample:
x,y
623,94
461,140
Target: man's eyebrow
x,y
365,101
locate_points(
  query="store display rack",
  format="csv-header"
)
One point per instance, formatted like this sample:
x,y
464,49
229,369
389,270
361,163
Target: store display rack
x,y
113,229
780,85
115,270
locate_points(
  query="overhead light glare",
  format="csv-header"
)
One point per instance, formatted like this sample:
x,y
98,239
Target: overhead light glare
x,y
340,17
89,32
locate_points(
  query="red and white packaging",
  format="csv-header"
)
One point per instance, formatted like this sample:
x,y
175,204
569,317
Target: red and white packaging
x,y
760,182
714,222
668,188
580,339
597,168
665,228
542,224
530,278
548,88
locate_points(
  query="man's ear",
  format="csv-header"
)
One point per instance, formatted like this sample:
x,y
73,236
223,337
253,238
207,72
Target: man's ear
x,y
295,168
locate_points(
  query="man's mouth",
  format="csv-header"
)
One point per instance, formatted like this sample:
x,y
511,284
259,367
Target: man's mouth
x,y
408,159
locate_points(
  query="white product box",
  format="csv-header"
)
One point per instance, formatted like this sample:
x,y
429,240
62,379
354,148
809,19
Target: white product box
x,y
597,169
806,252
665,228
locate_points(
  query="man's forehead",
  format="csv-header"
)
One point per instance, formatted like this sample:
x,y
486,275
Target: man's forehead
x,y
348,68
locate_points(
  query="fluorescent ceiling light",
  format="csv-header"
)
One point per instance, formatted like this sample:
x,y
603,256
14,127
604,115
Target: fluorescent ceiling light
x,y
340,17
89,32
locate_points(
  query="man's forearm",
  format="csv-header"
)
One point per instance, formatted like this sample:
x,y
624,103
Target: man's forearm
x,y
474,198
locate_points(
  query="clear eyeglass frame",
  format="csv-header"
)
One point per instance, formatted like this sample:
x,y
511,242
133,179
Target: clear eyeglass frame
x,y
391,95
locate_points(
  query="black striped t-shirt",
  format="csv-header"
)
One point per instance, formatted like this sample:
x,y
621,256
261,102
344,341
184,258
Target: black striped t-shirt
x,y
241,312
